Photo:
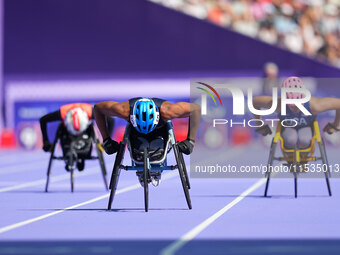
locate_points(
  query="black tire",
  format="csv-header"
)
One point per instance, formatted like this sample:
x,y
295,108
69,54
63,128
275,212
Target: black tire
x,y
49,169
182,176
184,169
270,163
115,174
102,165
325,162
267,184
51,159
146,182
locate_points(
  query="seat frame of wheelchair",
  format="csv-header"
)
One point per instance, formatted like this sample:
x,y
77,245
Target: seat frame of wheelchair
x,y
294,157
147,166
85,153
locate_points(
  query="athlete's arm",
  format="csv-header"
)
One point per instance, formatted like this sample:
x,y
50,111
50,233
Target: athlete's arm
x,y
53,116
171,111
319,105
110,109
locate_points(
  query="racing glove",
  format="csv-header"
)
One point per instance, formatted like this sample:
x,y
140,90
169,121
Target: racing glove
x,y
264,130
186,146
110,146
328,128
47,146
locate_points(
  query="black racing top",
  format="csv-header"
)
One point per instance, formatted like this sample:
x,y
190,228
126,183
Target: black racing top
x,y
53,116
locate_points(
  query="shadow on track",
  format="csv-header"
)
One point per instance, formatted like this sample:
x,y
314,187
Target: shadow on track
x,y
261,196
112,210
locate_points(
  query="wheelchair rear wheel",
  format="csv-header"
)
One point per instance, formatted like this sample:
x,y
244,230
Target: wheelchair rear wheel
x,y
116,173
184,169
146,180
325,162
51,158
50,166
102,164
182,176
270,163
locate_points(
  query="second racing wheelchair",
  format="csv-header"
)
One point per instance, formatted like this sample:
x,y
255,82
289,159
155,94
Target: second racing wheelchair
x,y
76,149
296,158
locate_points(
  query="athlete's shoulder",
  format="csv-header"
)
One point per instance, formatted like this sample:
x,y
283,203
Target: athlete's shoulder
x,y
315,104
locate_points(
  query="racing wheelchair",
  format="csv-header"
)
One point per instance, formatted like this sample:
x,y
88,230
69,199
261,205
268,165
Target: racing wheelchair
x,y
149,161
297,157
76,148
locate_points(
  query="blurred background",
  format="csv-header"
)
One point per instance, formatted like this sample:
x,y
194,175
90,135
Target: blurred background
x,y
54,52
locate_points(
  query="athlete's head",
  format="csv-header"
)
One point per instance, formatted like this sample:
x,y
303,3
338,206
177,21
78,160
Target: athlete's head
x,y
293,82
76,121
145,115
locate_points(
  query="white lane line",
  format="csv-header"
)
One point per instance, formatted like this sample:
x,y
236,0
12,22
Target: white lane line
x,y
44,216
25,166
190,235
43,181
22,161
14,155
26,222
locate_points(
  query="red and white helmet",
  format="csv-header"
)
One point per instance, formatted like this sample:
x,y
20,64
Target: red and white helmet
x,y
293,82
76,121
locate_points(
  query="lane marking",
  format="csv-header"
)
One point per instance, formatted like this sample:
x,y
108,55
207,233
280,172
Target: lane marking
x,y
13,155
25,166
33,164
191,234
22,159
57,178
44,216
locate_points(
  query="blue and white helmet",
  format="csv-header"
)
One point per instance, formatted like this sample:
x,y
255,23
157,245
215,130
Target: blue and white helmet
x,y
145,115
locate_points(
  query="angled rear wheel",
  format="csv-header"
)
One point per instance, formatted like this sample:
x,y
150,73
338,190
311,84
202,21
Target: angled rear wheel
x,y
182,175
184,169
116,173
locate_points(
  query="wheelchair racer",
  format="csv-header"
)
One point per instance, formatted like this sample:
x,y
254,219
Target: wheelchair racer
x,y
301,135
76,118
147,116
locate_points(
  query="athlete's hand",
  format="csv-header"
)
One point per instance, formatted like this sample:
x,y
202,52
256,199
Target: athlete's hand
x,y
47,146
330,128
186,146
264,130
110,146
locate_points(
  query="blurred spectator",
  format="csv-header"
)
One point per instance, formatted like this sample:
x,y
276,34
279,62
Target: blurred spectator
x,y
310,27
271,78
268,33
